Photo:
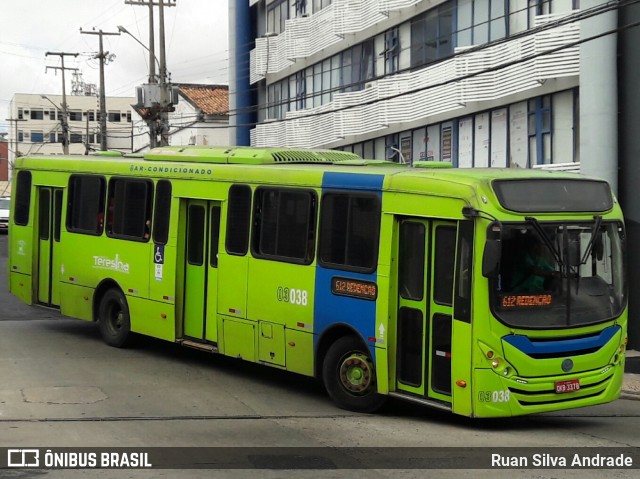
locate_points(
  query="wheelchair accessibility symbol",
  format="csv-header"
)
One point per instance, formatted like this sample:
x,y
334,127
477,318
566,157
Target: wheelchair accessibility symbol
x,y
158,257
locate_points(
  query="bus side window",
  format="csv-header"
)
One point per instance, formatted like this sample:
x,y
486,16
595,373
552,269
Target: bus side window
x,y
238,220
464,266
85,213
284,224
349,231
23,198
162,212
129,213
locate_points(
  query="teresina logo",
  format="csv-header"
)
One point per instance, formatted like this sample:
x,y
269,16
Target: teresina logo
x,y
102,262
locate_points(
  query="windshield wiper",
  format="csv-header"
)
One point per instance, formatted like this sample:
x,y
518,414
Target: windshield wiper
x,y
547,241
594,231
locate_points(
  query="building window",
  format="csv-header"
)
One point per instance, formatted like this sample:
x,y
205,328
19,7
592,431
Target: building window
x,y
114,116
37,114
37,137
320,4
278,98
277,13
75,115
358,66
431,36
128,117
20,114
391,51
20,136
301,91
92,115
75,137
482,21
301,7
52,137
539,128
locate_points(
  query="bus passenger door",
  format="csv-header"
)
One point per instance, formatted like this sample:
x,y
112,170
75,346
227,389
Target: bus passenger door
x,y
442,266
426,259
49,217
201,271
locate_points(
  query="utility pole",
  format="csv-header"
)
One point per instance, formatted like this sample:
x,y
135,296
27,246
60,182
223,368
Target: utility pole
x,y
164,100
103,108
158,118
11,150
65,117
86,143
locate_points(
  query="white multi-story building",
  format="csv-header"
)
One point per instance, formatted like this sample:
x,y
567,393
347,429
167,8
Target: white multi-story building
x,y
479,83
36,125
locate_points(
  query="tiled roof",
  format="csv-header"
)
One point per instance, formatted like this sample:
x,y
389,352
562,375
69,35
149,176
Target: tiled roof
x,y
210,99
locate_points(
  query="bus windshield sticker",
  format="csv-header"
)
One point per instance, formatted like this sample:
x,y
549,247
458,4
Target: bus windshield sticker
x,y
158,273
354,288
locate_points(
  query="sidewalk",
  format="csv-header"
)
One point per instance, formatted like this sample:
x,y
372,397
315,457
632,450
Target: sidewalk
x,y
631,382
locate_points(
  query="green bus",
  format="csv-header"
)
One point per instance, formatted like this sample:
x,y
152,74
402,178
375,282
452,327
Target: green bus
x,y
484,292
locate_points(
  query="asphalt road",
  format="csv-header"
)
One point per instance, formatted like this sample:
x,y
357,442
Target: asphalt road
x,y
61,386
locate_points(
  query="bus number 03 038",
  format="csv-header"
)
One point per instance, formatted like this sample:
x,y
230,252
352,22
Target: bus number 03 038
x,y
292,295
494,396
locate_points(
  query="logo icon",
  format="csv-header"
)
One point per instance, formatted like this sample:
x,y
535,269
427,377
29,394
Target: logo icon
x,y
23,458
567,365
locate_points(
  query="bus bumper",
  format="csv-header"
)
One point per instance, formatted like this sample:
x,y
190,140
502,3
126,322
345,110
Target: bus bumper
x,y
496,396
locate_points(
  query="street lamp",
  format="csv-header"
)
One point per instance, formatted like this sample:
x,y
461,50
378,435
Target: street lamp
x,y
156,93
402,160
63,122
151,54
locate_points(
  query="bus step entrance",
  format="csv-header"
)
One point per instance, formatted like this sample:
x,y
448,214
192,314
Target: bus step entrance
x,y
211,348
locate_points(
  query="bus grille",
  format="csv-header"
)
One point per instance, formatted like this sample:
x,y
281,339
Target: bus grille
x,y
543,393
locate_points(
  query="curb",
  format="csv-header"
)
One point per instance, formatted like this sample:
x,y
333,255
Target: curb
x,y
632,395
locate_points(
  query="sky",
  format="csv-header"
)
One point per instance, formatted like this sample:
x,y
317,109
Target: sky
x,y
196,40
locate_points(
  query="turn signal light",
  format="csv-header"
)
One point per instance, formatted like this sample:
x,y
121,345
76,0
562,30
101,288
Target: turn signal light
x,y
461,383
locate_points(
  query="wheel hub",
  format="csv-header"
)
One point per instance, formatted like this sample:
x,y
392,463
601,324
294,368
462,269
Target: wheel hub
x,y
356,373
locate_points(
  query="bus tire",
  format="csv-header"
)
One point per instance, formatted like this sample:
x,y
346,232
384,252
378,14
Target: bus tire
x,y
349,376
113,319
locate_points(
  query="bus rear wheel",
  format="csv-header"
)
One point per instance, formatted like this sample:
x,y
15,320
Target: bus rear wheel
x,y
349,376
114,322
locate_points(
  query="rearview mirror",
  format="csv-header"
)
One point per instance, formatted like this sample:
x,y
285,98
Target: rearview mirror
x,y
491,258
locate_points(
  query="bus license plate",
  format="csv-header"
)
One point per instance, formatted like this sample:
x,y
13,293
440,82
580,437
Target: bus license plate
x,y
567,386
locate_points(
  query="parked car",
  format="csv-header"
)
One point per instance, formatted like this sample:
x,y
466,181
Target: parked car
x,y
5,204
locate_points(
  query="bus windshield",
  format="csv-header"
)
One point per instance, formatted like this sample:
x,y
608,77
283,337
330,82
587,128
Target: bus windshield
x,y
559,275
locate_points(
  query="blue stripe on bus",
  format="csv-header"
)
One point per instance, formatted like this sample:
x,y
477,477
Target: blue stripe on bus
x,y
331,309
532,348
351,181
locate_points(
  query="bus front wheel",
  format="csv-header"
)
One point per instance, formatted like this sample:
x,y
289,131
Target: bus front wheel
x,y
349,376
114,323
